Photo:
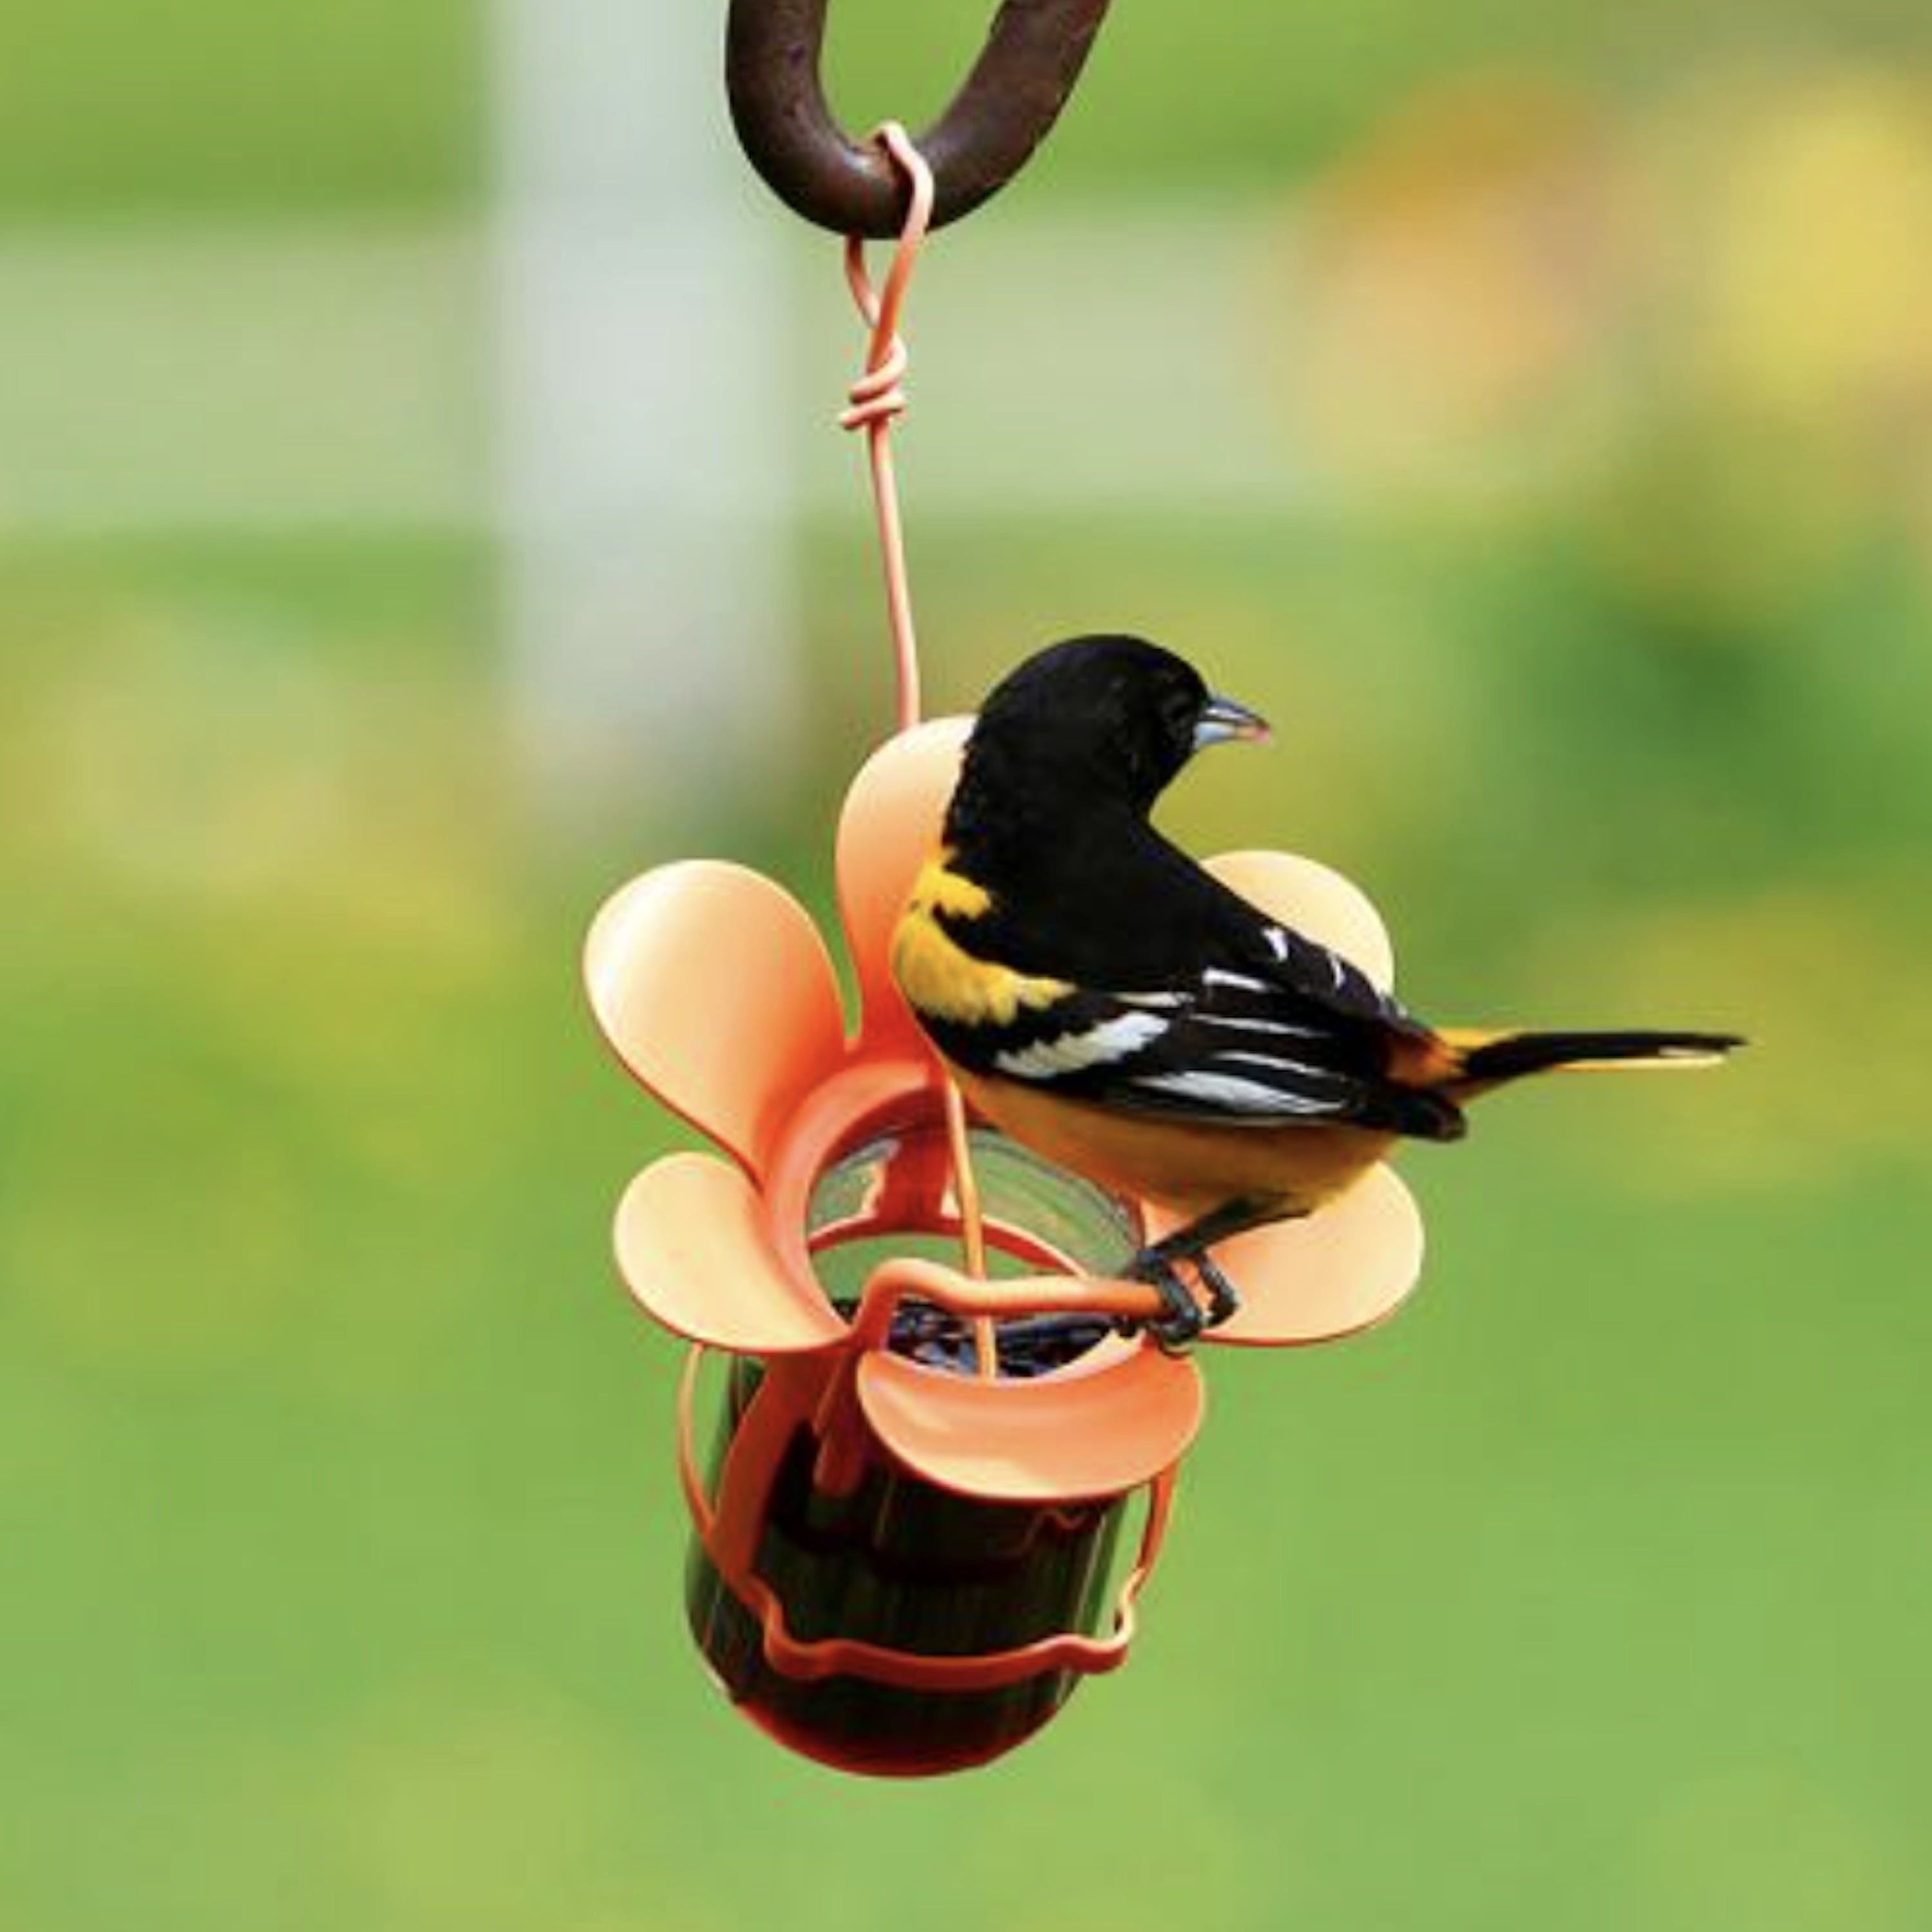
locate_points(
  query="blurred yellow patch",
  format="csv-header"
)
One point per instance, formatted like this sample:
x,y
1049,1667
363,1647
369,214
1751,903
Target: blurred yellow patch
x,y
181,756
1798,213
1704,330
1451,282
1780,393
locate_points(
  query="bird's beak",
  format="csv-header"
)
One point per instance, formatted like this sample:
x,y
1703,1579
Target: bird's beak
x,y
1222,719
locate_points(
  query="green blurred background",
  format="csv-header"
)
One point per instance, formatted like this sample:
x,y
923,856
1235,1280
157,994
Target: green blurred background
x,y
1526,405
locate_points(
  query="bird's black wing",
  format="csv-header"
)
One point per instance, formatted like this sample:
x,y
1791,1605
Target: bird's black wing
x,y
1176,996
1226,1047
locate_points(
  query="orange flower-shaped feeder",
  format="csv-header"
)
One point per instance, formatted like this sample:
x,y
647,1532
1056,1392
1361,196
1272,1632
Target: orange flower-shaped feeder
x,y
902,1549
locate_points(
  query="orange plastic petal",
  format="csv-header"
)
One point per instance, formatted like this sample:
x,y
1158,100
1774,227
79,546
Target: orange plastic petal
x,y
1097,1432
1316,901
1343,1269
692,1249
890,825
715,988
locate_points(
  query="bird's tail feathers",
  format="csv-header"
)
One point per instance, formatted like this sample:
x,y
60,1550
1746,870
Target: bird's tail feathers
x,y
1488,1057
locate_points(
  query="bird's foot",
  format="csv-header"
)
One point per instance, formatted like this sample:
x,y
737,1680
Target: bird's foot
x,y
1222,1301
1182,1319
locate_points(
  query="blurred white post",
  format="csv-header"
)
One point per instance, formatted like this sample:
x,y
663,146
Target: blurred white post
x,y
641,445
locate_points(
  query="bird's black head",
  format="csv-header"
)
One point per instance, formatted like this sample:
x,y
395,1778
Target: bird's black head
x,y
1111,718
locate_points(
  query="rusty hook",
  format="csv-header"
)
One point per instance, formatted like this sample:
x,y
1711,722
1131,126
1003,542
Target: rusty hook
x,y
1011,98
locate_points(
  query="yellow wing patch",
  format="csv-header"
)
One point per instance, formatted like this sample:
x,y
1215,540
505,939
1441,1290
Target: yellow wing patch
x,y
939,889
939,976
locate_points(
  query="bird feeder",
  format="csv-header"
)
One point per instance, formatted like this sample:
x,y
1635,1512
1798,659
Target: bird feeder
x,y
940,1404
905,1530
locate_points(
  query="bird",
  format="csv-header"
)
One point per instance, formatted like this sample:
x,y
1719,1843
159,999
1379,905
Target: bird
x,y
1106,1002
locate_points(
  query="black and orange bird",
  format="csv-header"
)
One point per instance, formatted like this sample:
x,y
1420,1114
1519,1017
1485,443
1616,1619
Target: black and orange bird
x,y
1103,1001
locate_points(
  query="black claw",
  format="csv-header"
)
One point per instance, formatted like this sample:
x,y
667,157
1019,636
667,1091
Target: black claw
x,y
1222,1301
1181,1320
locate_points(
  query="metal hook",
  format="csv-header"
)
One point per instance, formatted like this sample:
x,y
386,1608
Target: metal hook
x,y
1011,98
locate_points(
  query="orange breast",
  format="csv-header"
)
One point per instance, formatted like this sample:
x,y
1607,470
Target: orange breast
x,y
1182,1166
